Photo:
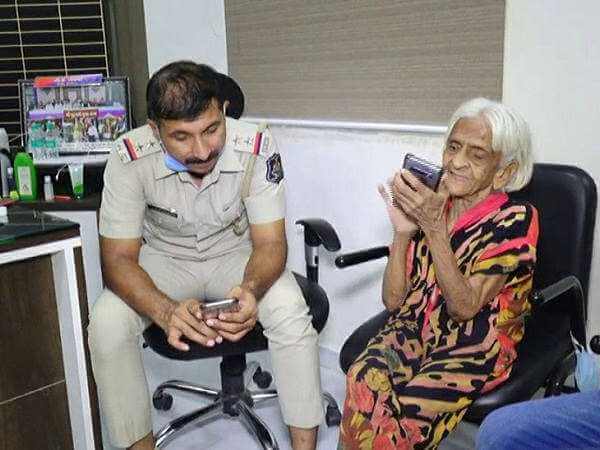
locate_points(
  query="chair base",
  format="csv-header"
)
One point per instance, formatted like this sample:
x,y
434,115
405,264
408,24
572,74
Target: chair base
x,y
234,400
241,408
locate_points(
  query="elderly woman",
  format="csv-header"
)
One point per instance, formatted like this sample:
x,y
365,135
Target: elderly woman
x,y
457,281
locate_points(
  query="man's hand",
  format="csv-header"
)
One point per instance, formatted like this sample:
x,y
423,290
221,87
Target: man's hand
x,y
185,319
235,325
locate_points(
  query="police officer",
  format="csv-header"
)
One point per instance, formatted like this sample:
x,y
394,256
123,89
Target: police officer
x,y
193,209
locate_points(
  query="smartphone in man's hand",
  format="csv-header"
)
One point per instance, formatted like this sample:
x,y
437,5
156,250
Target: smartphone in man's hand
x,y
428,173
213,308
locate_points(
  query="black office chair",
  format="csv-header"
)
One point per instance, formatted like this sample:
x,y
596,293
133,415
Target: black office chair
x,y
234,398
565,197
229,90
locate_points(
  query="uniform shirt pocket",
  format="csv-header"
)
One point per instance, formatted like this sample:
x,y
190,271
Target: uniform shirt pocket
x,y
169,221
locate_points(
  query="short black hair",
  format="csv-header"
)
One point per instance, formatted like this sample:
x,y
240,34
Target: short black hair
x,y
182,90
229,90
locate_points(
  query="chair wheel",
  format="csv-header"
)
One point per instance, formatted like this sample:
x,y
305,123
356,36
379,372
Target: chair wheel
x,y
333,417
162,401
262,378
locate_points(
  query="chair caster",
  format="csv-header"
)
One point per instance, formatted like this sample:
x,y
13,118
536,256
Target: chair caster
x,y
262,378
162,401
333,416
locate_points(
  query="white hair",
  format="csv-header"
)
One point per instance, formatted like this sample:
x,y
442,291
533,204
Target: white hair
x,y
510,135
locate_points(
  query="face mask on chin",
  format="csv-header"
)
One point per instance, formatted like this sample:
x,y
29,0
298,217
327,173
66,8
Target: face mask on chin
x,y
587,372
172,163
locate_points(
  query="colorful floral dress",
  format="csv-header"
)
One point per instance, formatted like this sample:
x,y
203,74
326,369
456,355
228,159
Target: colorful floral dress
x,y
413,383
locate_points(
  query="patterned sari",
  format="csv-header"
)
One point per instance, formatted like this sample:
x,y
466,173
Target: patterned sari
x,y
413,383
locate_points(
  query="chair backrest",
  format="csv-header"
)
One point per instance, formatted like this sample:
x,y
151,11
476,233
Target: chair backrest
x,y
565,197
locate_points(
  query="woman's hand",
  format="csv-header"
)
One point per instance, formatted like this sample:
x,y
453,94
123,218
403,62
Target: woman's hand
x,y
401,223
424,206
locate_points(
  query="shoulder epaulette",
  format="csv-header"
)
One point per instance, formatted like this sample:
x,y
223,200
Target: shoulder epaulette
x,y
249,137
136,144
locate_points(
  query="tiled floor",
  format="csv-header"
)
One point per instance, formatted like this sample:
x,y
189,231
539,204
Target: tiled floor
x,y
229,434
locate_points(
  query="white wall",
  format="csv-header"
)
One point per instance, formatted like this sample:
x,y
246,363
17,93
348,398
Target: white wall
x,y
185,29
552,75
333,174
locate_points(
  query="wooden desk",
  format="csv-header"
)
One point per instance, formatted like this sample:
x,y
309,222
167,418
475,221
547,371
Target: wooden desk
x,y
47,397
85,212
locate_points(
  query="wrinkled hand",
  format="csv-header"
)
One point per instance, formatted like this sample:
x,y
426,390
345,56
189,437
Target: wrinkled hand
x,y
401,223
185,319
424,206
235,325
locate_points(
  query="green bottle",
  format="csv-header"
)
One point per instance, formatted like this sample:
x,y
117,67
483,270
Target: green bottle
x,y
26,177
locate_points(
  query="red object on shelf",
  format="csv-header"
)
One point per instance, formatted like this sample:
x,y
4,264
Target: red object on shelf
x,y
62,198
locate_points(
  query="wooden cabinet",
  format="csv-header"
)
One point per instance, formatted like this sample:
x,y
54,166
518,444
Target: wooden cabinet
x,y
47,396
38,420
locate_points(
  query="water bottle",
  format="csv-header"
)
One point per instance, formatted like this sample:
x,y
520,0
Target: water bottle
x,y
13,193
52,139
37,141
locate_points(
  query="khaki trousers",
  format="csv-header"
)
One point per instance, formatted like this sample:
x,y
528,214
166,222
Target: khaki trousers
x,y
115,330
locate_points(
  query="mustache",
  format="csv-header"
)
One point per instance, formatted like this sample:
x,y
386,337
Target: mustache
x,y
194,160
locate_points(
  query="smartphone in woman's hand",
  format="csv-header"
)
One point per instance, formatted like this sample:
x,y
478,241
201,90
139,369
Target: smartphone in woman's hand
x,y
428,173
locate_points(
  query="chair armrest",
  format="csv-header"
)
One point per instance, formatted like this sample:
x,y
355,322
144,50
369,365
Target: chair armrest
x,y
555,290
319,231
361,256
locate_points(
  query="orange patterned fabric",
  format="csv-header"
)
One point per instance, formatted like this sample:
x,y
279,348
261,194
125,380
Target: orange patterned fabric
x,y
413,383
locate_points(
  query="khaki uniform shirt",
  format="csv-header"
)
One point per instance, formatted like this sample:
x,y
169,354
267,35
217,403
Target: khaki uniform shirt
x,y
142,197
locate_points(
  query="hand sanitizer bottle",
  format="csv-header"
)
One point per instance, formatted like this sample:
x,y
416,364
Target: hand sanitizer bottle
x,y
26,177
48,189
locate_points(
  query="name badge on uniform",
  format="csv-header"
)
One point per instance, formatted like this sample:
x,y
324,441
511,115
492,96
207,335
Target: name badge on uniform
x,y
169,212
274,168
